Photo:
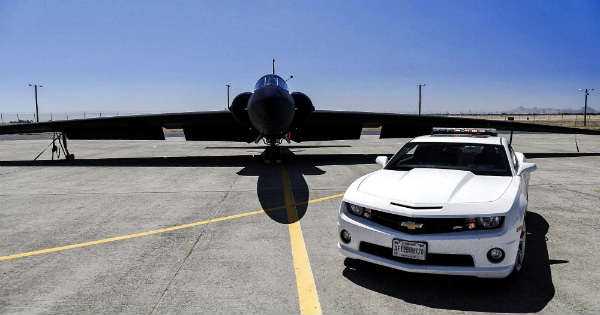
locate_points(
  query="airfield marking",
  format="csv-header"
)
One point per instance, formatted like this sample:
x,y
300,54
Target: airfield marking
x,y
308,297
157,231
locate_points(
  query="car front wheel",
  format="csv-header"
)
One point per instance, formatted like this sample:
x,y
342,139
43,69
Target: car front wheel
x,y
521,251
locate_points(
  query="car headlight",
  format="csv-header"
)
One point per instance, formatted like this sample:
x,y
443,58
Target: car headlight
x,y
354,209
489,222
357,210
483,223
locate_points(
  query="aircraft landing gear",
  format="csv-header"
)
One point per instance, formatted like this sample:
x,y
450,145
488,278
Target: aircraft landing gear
x,y
272,154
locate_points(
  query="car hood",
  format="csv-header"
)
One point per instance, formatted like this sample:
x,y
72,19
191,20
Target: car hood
x,y
428,187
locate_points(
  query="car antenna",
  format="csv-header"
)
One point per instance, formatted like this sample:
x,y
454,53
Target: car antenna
x,y
273,65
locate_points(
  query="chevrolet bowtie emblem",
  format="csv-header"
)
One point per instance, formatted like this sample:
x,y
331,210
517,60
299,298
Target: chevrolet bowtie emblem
x,y
411,225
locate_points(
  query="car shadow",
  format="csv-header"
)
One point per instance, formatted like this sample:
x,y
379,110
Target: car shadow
x,y
528,292
269,184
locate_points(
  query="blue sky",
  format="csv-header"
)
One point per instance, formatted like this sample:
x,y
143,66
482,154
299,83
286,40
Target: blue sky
x,y
145,56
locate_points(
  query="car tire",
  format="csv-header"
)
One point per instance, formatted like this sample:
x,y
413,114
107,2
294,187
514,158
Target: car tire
x,y
520,259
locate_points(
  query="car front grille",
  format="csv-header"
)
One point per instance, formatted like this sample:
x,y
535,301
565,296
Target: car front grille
x,y
418,225
432,259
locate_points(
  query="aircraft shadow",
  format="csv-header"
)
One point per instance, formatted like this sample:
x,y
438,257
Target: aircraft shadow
x,y
543,155
269,185
270,188
529,292
202,161
289,147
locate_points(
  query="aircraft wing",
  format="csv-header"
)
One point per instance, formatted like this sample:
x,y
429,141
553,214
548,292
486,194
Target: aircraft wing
x,y
201,126
340,125
222,126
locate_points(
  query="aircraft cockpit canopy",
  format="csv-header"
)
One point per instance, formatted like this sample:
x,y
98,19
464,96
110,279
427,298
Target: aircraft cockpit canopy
x,y
271,79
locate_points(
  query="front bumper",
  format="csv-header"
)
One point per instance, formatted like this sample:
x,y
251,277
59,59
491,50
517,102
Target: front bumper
x,y
472,243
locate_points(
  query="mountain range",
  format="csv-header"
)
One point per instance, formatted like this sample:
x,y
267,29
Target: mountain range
x,y
548,110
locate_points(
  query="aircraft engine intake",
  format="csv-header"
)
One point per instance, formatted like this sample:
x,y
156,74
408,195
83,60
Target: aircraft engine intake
x,y
239,108
304,108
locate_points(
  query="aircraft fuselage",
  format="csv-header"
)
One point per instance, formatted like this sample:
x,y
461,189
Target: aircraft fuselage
x,y
271,110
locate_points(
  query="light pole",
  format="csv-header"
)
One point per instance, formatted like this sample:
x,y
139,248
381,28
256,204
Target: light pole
x,y
228,85
587,92
420,85
37,112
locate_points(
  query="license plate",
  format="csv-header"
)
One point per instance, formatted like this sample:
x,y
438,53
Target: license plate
x,y
409,249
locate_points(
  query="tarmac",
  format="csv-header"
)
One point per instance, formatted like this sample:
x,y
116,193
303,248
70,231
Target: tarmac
x,y
154,227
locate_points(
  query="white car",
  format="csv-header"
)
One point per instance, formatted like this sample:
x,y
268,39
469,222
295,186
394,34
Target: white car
x,y
453,202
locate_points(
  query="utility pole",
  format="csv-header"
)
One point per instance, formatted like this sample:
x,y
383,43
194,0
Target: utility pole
x,y
587,92
228,85
273,65
37,112
420,85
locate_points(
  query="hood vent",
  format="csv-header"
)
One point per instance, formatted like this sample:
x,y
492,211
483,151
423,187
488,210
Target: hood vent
x,y
416,208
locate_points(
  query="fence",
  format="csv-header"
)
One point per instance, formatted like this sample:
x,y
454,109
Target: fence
x,y
561,119
6,118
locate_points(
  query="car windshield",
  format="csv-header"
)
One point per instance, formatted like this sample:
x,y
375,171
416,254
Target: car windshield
x,y
480,159
271,79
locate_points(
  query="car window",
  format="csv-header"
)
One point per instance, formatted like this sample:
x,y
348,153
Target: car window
x,y
480,159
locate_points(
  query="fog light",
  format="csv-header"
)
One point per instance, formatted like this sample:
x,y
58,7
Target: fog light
x,y
495,255
345,236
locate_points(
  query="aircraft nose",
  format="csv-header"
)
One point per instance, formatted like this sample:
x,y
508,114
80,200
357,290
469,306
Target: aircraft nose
x,y
271,111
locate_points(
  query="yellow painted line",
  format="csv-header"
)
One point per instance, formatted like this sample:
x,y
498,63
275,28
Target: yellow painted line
x,y
152,232
308,298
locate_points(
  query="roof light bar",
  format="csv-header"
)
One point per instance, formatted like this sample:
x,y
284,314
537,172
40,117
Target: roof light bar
x,y
464,131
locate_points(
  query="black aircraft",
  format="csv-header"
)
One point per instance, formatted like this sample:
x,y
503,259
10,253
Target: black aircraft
x,y
271,114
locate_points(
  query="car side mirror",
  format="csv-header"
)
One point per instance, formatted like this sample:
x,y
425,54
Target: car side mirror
x,y
520,157
381,160
526,168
